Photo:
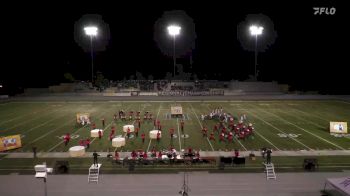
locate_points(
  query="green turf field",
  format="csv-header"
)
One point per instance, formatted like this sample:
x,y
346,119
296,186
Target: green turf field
x,y
281,125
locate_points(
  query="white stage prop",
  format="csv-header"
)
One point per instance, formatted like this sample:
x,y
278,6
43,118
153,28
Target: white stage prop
x,y
77,151
94,132
118,142
125,128
153,134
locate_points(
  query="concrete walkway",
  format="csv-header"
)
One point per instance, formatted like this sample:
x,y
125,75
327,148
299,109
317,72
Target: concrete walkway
x,y
200,183
202,154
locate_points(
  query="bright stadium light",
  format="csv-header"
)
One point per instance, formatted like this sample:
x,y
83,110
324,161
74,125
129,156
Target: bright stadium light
x,y
92,32
255,31
174,30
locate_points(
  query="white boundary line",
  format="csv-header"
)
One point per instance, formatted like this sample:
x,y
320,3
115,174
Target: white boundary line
x,y
200,124
178,132
321,138
279,130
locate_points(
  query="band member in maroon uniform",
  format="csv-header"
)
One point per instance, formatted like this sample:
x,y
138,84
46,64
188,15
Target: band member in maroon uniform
x,y
205,132
212,136
99,134
172,133
143,137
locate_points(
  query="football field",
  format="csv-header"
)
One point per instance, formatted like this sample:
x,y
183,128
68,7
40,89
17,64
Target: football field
x,y
279,124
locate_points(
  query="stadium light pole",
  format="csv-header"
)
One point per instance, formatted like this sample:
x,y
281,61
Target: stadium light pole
x,y
174,30
91,31
255,31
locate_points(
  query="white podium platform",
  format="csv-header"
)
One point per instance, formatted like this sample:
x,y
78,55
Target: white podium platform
x,y
94,172
77,151
97,166
118,142
94,132
125,128
153,134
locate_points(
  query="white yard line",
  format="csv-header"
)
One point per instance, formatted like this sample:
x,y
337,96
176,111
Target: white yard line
x,y
42,124
31,119
308,121
306,131
103,131
298,110
149,144
21,116
200,124
268,141
47,133
150,140
233,137
160,106
178,132
279,130
240,143
79,130
52,131
343,102
62,141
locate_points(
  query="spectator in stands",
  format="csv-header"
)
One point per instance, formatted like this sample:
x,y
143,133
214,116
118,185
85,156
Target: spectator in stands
x,y
160,155
133,154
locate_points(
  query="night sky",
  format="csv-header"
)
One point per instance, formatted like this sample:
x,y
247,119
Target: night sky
x,y
309,53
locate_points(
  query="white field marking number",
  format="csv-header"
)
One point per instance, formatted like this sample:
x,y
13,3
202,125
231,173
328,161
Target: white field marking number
x,y
72,136
285,135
